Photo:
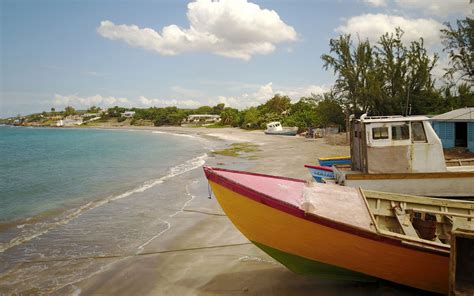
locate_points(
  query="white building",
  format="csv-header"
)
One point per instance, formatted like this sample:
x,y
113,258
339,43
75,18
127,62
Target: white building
x,y
207,118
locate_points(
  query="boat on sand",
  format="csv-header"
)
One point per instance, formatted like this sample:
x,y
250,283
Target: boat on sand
x,y
403,155
346,233
275,128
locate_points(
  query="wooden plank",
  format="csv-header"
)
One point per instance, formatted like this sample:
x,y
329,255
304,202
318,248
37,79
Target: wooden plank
x,y
461,263
420,241
404,176
462,204
418,210
369,210
404,220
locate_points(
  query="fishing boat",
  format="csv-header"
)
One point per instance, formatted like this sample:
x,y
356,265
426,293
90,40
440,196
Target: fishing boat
x,y
320,173
275,128
348,233
403,155
330,161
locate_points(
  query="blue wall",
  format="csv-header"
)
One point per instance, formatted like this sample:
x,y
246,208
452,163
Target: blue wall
x,y
445,131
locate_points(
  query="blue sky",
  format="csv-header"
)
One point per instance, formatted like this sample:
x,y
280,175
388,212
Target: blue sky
x,y
83,53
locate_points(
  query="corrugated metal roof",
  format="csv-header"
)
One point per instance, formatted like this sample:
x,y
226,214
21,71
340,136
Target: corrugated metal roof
x,y
463,114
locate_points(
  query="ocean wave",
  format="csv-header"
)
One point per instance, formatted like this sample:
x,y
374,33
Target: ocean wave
x,y
31,231
175,134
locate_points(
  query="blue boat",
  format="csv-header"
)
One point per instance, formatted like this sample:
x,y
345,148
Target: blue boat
x,y
320,173
330,161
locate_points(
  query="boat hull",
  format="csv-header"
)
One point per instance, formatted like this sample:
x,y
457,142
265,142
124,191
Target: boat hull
x,y
282,133
286,233
320,172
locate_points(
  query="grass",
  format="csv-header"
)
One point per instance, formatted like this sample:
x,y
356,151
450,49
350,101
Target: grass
x,y
244,150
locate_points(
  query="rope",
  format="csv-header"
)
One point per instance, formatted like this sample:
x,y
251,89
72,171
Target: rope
x,y
133,255
205,213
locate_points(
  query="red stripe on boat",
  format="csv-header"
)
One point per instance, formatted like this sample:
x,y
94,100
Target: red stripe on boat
x,y
319,167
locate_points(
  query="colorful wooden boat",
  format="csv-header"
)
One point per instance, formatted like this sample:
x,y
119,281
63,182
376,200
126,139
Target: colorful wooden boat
x,y
342,232
330,161
320,173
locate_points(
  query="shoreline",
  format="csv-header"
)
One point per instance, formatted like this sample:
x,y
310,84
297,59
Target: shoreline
x,y
196,250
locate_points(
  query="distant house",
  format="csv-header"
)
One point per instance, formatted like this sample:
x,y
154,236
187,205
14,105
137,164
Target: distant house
x,y
203,118
128,114
68,122
456,128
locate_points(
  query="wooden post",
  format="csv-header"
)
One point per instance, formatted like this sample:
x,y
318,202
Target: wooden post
x,y
461,263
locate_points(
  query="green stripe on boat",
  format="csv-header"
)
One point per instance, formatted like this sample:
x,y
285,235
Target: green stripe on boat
x,y
306,266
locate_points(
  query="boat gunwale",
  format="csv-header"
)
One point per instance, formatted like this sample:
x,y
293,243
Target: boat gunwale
x,y
288,208
401,176
442,202
319,167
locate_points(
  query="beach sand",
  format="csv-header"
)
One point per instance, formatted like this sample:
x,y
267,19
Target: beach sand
x,y
202,253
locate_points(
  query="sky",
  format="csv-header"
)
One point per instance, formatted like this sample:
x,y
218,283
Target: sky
x,y
190,53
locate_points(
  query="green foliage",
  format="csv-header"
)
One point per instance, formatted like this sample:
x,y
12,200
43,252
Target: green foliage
x,y
230,116
121,119
459,43
329,112
239,150
389,78
276,105
204,110
69,111
93,109
217,109
303,113
168,116
251,118
116,111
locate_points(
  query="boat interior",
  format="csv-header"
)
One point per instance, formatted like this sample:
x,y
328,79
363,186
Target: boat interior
x,y
420,218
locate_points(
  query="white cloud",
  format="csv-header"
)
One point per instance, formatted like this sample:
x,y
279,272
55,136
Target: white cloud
x,y
372,26
231,28
150,102
86,102
376,3
439,7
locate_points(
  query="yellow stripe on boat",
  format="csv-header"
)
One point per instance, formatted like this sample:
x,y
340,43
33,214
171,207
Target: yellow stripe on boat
x,y
334,158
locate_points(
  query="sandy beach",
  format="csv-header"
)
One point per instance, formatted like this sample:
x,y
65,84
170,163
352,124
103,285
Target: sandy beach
x,y
204,254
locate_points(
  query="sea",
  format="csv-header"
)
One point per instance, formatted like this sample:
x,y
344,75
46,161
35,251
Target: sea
x,y
69,196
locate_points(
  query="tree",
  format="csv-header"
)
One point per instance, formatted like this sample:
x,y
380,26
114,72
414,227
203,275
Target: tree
x,y
53,110
204,110
93,109
329,112
385,79
278,105
355,72
303,113
217,109
459,43
251,118
116,111
230,116
69,111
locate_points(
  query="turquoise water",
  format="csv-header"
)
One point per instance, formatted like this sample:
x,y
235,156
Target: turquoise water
x,y
44,170
69,197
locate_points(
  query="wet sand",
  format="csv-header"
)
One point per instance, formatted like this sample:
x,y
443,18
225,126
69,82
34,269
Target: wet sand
x,y
202,253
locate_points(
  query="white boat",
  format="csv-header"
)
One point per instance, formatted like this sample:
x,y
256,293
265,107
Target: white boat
x,y
402,155
275,128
